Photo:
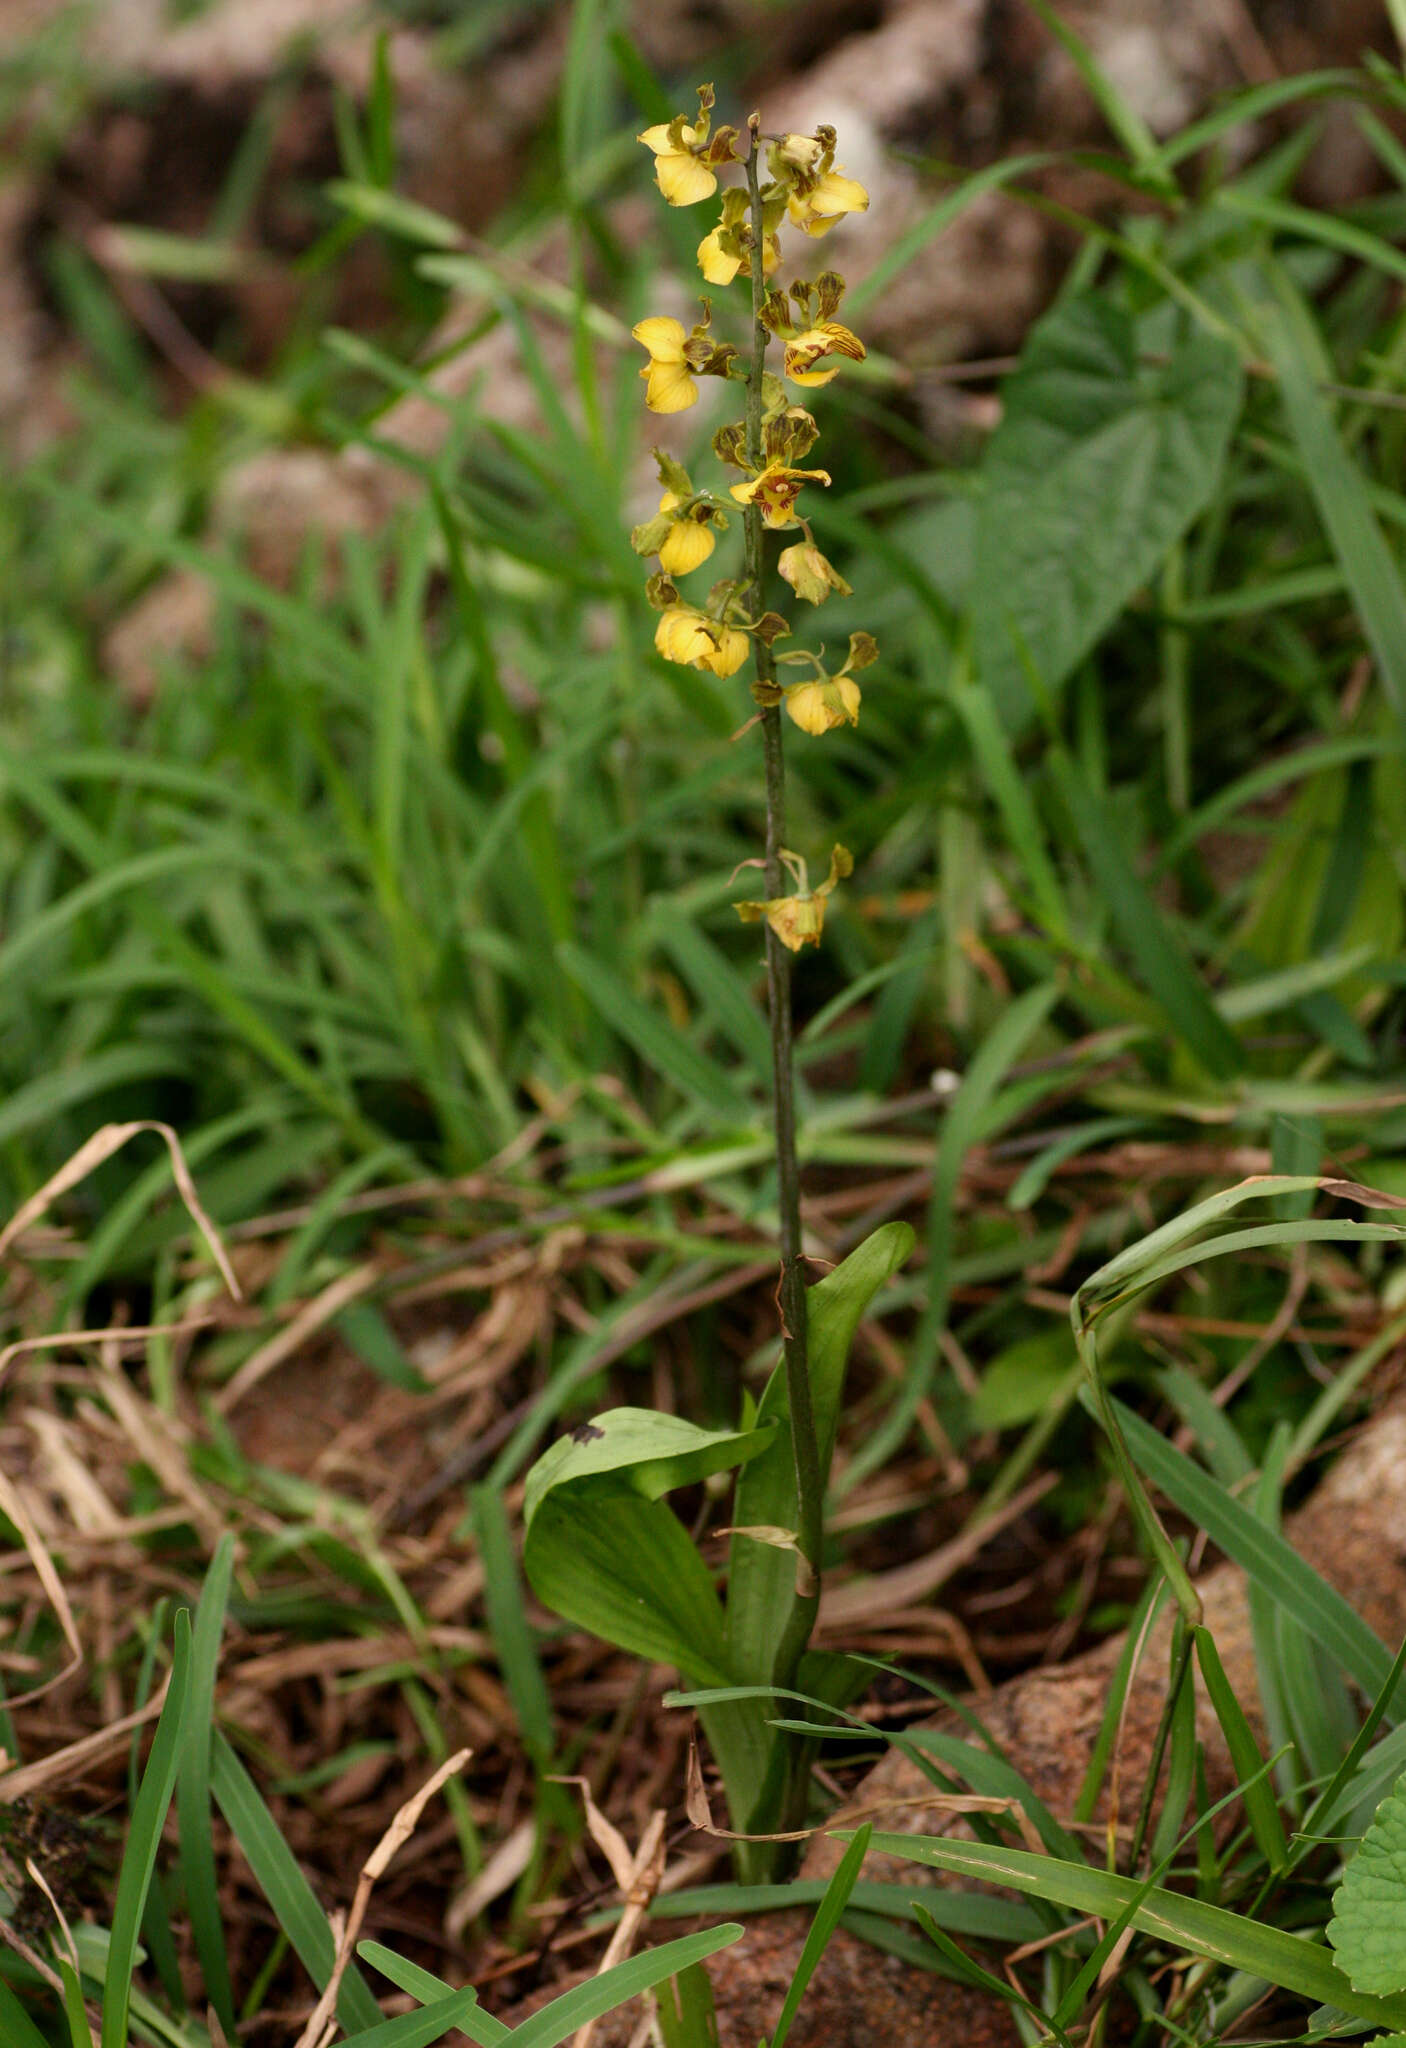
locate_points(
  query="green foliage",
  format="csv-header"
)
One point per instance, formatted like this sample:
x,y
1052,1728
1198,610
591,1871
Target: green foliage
x,y
1098,466
602,1547
429,842
1368,1927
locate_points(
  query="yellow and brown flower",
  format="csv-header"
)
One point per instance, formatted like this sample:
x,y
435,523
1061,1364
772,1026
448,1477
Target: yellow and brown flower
x,y
797,920
776,489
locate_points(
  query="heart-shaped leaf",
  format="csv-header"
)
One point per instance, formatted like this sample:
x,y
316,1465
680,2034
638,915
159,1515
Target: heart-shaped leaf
x,y
1099,464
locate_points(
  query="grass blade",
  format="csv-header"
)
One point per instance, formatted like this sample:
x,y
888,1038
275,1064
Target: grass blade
x,y
1291,1961
144,1841
193,1790
288,1892
827,1919
1267,1558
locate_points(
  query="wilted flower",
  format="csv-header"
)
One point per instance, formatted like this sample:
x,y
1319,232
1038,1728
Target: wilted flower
x,y
797,920
809,573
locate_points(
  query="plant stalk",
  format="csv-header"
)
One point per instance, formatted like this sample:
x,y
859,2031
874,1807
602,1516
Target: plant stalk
x,y
810,1484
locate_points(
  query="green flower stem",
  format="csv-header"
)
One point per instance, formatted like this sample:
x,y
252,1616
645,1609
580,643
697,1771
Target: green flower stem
x,y
810,1486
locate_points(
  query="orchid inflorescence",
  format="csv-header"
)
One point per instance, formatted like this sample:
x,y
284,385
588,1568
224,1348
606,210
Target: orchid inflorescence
x,y
807,190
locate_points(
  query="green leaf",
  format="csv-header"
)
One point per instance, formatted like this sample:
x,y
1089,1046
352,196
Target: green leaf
x,y
603,1994
508,1624
19,2030
602,1549
1120,114
687,2016
762,1579
1153,946
1234,1940
144,1841
656,1041
1268,1559
1098,466
1368,1927
1341,493
288,1892
396,216
418,2029
423,1985
827,1919
1022,1381
198,1867
1261,1808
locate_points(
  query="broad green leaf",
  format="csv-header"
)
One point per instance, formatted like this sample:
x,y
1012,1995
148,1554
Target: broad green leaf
x,y
1368,1927
761,1580
648,1452
1291,1961
602,1549
1097,468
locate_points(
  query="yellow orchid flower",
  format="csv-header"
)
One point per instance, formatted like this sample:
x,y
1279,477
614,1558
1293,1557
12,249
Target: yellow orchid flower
x,y
691,638
682,153
829,338
797,920
677,172
668,385
720,266
823,703
816,207
776,488
687,544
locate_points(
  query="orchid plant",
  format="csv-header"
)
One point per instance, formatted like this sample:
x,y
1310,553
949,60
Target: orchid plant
x,y
601,1546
